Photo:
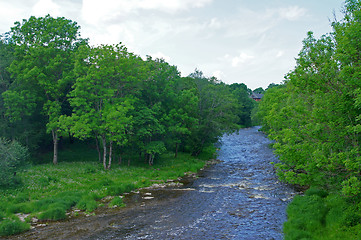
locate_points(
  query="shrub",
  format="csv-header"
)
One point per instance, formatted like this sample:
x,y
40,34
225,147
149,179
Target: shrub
x,y
55,211
116,202
20,208
68,199
120,188
12,158
87,203
11,227
316,191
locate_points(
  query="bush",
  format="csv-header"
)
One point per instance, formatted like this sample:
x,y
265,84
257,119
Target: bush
x,y
120,189
55,212
12,158
20,208
87,203
116,202
316,191
11,227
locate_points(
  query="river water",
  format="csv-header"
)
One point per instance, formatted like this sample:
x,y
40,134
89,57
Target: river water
x,y
239,198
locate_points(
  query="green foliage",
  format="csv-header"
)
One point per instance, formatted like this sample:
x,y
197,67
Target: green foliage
x,y
11,227
48,192
12,159
314,118
42,69
322,215
54,212
217,108
87,203
116,202
120,188
99,103
259,90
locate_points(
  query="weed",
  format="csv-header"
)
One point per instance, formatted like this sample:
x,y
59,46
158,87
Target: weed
x,y
116,202
54,212
11,227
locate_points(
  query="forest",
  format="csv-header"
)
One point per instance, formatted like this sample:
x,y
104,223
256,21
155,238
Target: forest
x,y
107,117
314,119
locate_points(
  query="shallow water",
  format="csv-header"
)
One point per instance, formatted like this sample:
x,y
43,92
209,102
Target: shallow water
x,y
239,198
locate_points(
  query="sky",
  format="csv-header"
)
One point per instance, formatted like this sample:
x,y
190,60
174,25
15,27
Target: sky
x,y
254,42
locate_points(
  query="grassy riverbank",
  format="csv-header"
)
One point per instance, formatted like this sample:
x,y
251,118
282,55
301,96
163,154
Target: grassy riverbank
x,y
321,215
46,192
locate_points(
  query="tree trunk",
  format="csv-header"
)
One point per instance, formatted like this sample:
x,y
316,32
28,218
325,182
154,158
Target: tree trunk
x,y
55,141
104,152
98,149
150,159
71,139
110,154
120,159
176,150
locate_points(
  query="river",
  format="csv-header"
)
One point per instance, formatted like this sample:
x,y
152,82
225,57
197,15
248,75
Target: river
x,y
238,198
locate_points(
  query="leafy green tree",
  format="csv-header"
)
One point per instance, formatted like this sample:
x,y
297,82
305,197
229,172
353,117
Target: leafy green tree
x,y
314,117
259,90
216,112
181,112
245,103
42,69
99,100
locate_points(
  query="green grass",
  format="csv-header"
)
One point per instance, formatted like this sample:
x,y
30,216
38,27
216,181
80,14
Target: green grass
x,y
322,216
47,192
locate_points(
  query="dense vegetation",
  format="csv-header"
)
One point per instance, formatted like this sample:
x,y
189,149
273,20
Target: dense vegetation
x,y
91,106
314,118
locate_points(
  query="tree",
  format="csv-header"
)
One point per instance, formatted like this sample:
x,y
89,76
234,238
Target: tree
x,y
259,90
245,104
315,116
99,98
42,69
216,112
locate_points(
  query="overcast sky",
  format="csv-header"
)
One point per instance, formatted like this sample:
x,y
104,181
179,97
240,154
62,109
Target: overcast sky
x,y
245,41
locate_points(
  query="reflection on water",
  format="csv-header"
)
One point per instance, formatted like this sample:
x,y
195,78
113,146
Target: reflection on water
x,y
239,198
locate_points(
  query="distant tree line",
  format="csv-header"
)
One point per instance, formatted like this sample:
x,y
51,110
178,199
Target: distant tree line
x,y
54,85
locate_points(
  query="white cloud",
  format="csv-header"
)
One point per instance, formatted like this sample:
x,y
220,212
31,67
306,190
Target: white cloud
x,y
161,55
10,13
280,54
292,13
242,58
43,7
214,23
218,74
169,5
95,11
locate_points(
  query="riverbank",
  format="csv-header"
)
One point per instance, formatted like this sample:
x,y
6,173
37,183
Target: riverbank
x,y
51,193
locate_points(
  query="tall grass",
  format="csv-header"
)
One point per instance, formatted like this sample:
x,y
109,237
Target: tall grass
x,y
48,192
322,216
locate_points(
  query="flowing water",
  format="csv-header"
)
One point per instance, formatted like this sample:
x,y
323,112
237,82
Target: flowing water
x,y
239,198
